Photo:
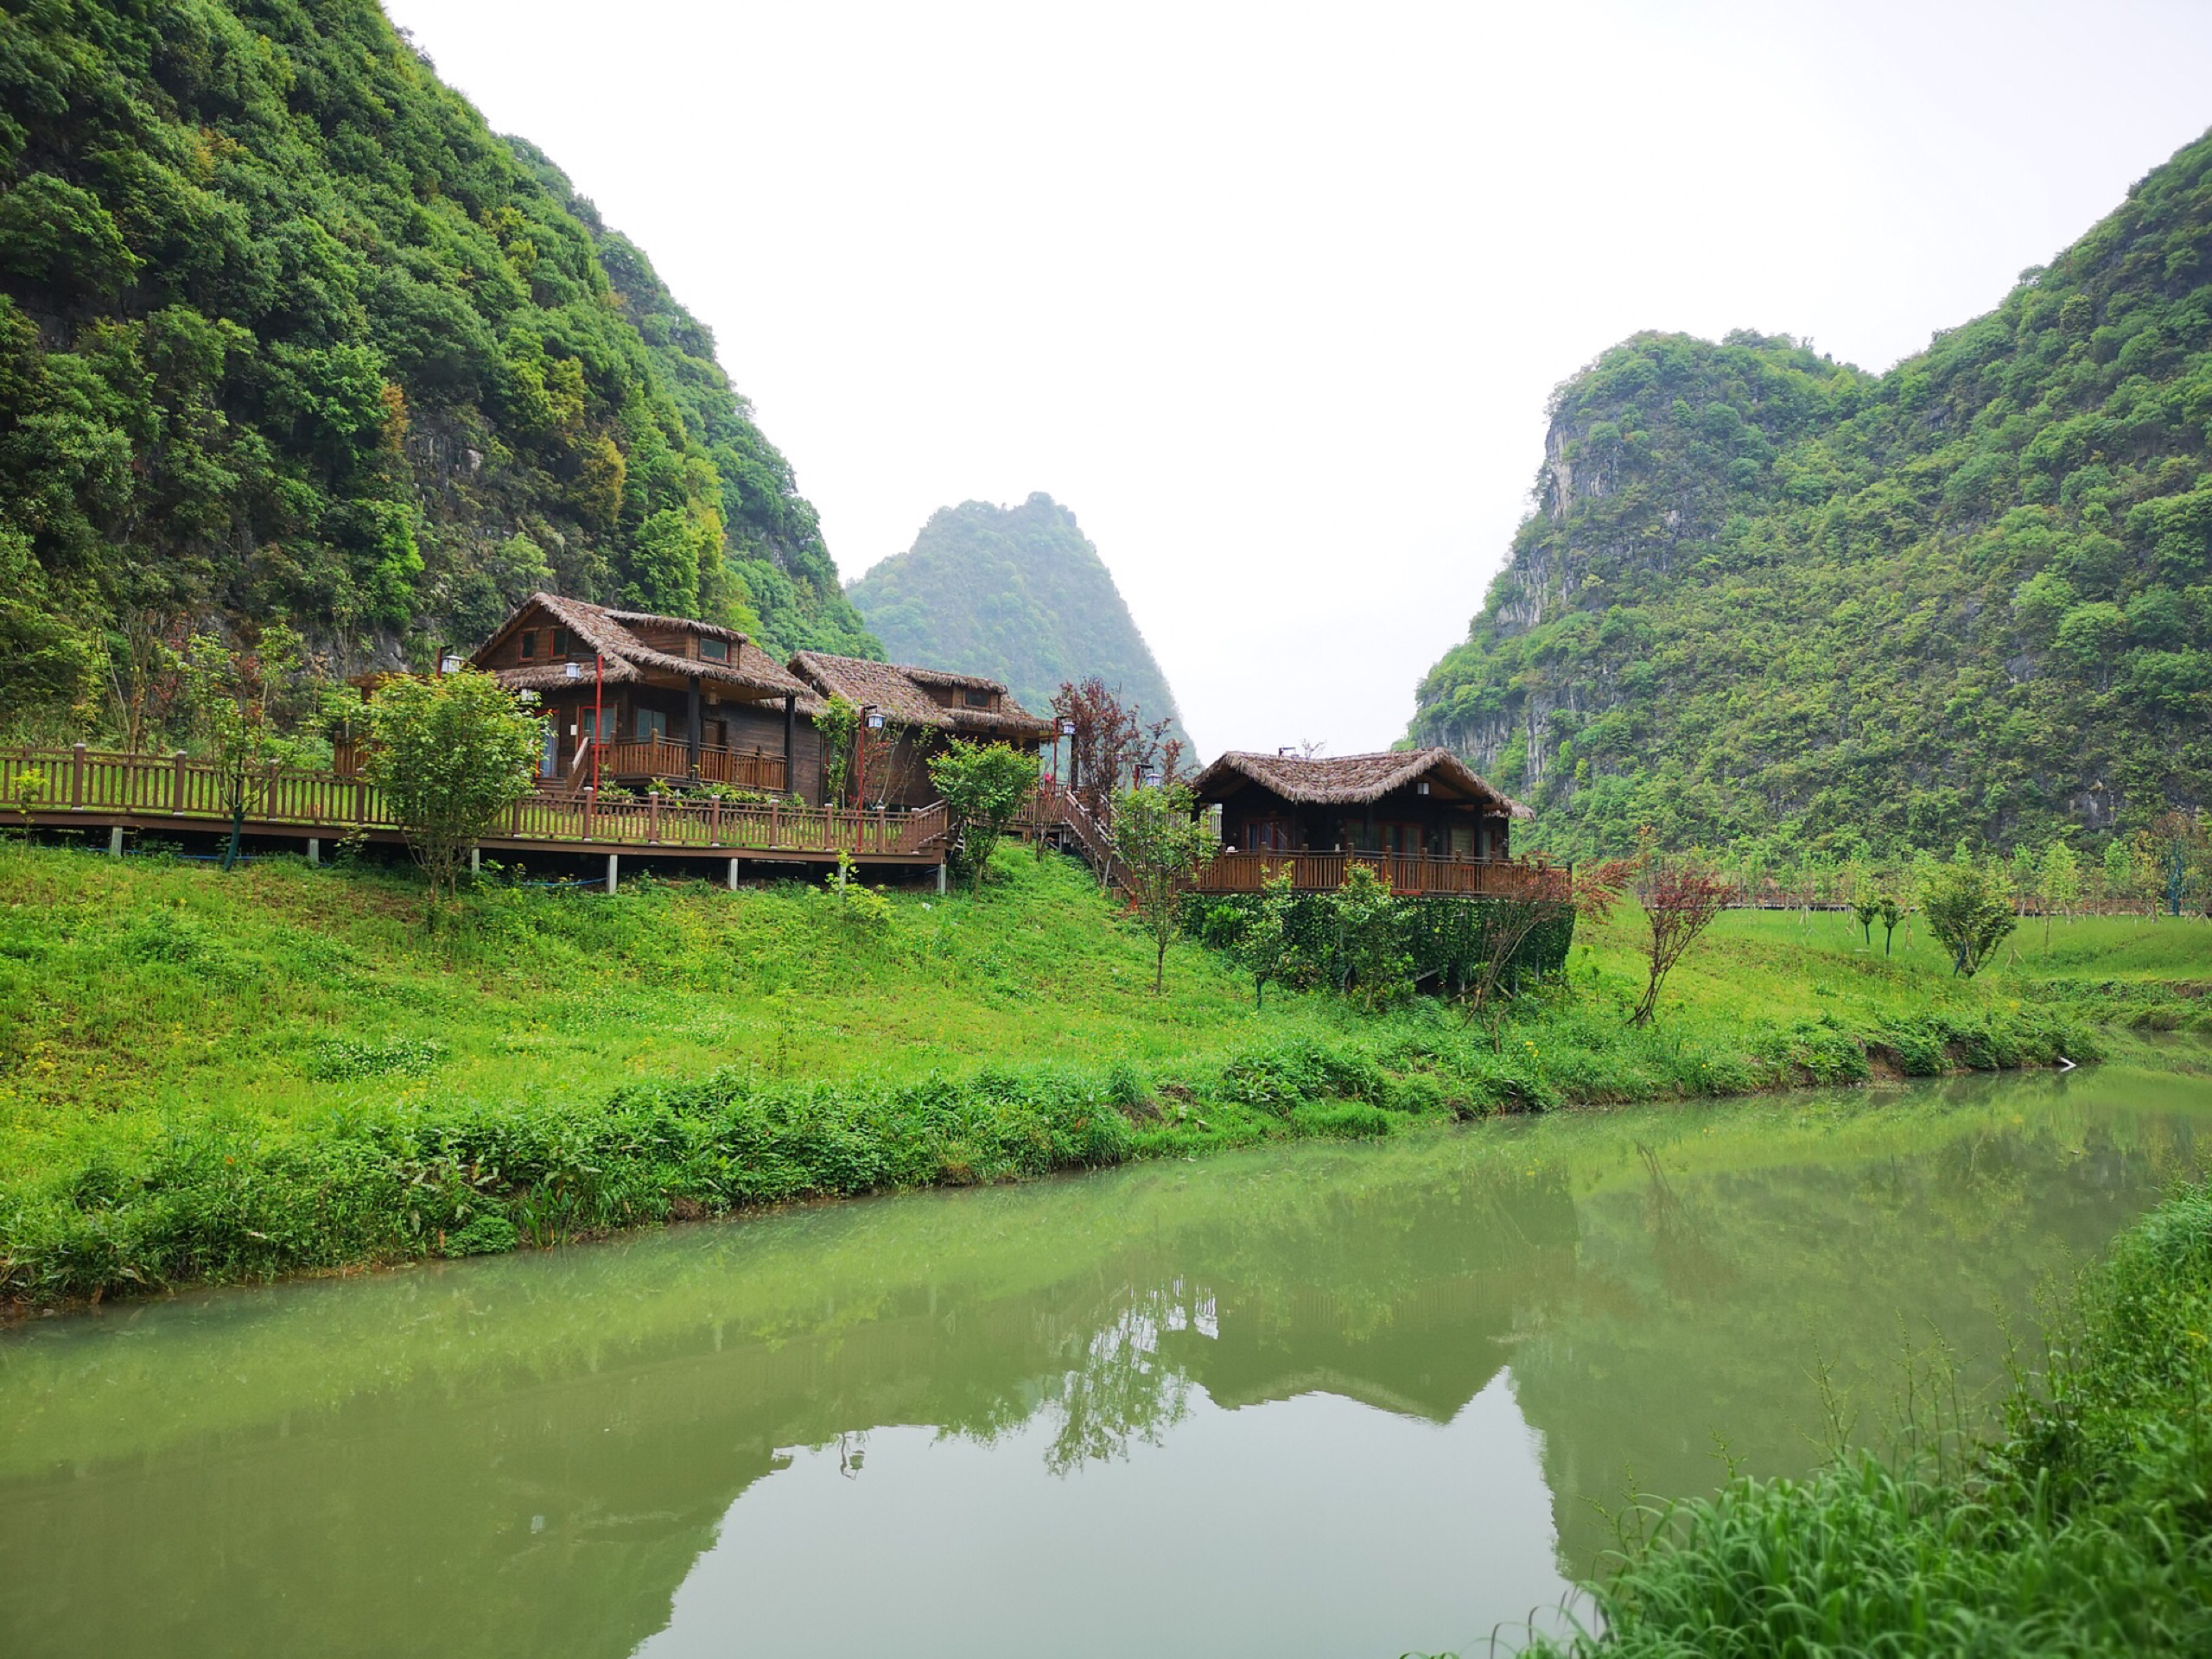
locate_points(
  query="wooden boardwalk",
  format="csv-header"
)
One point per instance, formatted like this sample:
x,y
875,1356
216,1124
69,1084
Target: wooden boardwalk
x,y
92,788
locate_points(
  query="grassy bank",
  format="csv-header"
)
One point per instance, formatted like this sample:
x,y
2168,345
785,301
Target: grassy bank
x,y
2082,1525
212,1076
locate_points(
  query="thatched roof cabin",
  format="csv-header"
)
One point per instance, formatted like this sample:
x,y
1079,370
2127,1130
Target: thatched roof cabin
x,y
1410,802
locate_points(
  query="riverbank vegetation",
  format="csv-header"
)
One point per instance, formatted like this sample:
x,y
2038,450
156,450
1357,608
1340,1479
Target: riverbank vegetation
x,y
205,1076
2081,1524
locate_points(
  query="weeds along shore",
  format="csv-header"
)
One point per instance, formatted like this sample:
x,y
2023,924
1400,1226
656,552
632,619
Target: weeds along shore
x,y
213,1078
2076,1520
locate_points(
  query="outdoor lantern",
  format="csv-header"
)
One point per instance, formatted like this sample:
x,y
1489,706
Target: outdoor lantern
x,y
875,720
1067,729
572,671
450,665
1151,780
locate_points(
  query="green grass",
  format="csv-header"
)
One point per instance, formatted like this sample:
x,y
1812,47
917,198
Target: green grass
x,y
205,1076
2081,1524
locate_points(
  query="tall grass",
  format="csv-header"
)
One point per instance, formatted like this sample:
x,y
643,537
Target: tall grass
x,y
2083,1524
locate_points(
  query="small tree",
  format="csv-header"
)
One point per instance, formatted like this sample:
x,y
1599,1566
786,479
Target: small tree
x,y
1680,896
1865,909
1969,909
1894,912
2118,873
1507,924
1267,947
1162,848
2059,883
1372,966
839,722
982,786
235,699
2177,847
450,755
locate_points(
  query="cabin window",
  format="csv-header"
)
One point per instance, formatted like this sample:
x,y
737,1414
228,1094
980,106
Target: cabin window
x,y
653,725
600,723
977,699
529,643
1463,840
560,642
1267,835
715,651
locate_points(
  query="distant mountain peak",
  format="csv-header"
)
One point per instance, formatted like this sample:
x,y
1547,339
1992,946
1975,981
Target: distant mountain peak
x,y
1016,592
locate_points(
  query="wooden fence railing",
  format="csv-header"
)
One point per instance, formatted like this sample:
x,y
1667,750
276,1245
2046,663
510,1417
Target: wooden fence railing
x,y
1324,872
49,784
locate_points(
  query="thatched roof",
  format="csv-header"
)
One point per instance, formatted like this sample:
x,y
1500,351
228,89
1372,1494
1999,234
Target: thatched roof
x,y
1351,779
897,689
629,658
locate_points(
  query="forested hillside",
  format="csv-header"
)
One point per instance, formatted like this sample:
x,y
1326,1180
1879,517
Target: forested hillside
x,y
1016,592
1766,596
286,333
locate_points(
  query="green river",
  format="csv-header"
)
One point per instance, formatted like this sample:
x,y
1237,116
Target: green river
x,y
1322,1399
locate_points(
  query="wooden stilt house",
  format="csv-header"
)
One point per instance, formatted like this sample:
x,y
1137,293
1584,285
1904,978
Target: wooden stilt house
x,y
1421,815
921,710
654,698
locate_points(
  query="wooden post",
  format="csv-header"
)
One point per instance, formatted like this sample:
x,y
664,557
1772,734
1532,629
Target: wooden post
x,y
691,728
613,863
653,815
714,831
791,742
176,786
775,823
77,779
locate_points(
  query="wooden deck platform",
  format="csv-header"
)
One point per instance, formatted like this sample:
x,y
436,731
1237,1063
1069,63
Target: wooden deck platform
x,y
150,793
1408,874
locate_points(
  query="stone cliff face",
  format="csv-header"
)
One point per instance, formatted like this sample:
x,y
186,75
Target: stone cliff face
x,y
1764,594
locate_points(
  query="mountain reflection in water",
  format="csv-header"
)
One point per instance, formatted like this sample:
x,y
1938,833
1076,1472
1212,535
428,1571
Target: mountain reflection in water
x,y
1314,1400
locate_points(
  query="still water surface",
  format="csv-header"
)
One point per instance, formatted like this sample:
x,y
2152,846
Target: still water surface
x,y
1330,1400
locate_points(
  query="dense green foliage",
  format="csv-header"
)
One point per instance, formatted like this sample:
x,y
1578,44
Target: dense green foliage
x,y
1766,596
984,787
1017,593
2083,1527
286,332
1443,942
451,755
298,1027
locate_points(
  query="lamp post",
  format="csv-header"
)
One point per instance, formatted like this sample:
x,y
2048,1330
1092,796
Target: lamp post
x,y
871,721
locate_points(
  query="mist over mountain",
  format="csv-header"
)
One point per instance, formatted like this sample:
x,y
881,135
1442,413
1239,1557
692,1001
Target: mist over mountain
x,y
288,333
1018,593
1765,594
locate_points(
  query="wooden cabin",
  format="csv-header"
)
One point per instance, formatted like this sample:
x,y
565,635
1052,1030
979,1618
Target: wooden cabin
x,y
922,709
657,698
1421,815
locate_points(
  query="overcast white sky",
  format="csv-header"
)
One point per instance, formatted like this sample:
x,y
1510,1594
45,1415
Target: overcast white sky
x,y
1272,296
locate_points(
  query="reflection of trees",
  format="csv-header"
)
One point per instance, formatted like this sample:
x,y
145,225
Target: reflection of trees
x,y
1123,1391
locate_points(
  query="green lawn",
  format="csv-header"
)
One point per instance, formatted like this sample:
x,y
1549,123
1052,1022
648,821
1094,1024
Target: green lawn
x,y
281,1010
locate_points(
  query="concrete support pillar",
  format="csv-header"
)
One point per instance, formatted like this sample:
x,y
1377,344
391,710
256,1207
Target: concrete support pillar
x,y
115,841
613,866
475,861
315,851
732,876
940,878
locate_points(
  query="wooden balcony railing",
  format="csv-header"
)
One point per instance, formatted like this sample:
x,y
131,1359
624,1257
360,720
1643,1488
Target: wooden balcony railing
x,y
661,757
1405,873
49,785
